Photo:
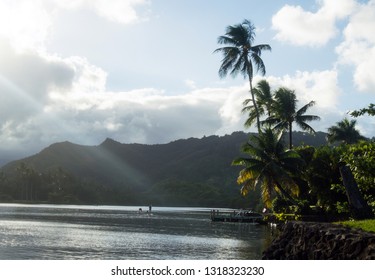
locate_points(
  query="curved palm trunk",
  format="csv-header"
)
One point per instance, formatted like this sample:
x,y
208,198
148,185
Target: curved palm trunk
x,y
252,95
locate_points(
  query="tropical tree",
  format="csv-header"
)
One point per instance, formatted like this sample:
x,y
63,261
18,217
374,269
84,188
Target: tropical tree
x,y
240,54
285,113
344,131
269,167
264,100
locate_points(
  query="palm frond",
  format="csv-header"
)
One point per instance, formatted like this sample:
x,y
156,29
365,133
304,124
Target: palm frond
x,y
247,101
240,37
225,40
306,127
304,108
258,63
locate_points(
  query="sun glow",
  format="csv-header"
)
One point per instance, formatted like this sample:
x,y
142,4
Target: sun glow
x,y
24,23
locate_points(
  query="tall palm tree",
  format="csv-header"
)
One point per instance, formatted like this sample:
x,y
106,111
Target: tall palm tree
x,y
269,167
240,54
264,100
286,113
344,131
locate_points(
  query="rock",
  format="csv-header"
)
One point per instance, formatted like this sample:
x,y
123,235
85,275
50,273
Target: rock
x,y
321,241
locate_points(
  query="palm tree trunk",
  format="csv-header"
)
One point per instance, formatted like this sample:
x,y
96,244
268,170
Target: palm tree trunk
x,y
290,135
253,98
358,206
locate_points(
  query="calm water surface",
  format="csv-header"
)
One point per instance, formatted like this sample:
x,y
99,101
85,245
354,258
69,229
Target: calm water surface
x,y
121,232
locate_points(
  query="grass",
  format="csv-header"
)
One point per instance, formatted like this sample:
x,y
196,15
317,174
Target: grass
x,y
366,225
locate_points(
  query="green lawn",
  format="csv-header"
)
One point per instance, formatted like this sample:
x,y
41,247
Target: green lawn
x,y
367,225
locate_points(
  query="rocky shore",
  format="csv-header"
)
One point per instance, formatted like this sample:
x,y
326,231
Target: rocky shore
x,y
320,241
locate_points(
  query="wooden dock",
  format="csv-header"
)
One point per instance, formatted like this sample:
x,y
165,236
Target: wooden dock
x,y
239,216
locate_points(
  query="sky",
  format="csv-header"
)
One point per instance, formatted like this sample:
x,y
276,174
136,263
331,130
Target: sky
x,y
145,71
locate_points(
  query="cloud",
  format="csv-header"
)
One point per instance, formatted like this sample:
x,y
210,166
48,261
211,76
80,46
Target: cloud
x,y
25,80
300,27
28,24
120,11
143,116
58,99
320,86
25,23
358,47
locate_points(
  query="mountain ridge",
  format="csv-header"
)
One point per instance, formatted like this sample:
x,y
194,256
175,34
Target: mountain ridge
x,y
158,173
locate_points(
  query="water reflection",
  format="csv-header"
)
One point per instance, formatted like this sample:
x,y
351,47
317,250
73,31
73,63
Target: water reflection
x,y
89,232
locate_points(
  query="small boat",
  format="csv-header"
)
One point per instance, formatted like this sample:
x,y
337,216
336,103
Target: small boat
x,y
239,216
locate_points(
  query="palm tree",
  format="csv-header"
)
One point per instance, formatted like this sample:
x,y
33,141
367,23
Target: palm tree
x,y
269,167
286,113
344,131
264,100
240,54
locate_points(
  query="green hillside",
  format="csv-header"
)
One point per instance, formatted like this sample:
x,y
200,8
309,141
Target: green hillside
x,y
190,172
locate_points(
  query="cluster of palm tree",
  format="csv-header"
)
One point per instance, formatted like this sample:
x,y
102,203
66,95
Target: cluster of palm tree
x,y
269,165
280,109
240,55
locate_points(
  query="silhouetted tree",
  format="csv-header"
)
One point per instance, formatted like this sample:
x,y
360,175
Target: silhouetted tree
x,y
240,55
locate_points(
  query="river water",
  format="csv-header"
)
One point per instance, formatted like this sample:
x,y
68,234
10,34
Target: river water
x,y
55,232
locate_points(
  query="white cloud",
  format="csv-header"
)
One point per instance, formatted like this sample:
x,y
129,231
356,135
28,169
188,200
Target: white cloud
x,y
60,99
300,27
28,24
320,86
25,23
120,11
358,48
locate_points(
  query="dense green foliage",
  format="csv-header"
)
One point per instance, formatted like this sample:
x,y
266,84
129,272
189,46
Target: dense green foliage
x,y
320,183
361,159
320,188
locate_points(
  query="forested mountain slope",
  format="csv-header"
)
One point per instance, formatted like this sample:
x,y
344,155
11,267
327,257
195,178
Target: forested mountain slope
x,y
190,172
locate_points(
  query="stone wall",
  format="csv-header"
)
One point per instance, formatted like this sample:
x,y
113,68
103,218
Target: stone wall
x,y
320,241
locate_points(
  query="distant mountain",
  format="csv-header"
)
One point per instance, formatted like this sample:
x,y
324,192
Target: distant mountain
x,y
183,173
